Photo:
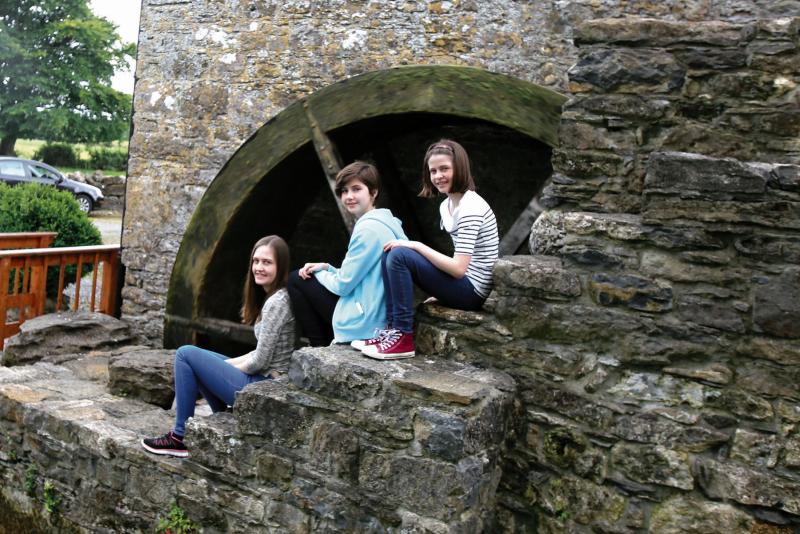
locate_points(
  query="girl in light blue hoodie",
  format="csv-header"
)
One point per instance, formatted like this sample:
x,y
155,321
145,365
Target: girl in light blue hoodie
x,y
345,304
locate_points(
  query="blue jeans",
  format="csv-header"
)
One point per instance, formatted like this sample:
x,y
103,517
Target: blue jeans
x,y
202,371
403,267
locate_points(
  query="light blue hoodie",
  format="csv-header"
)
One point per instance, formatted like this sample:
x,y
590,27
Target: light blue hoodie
x,y
358,282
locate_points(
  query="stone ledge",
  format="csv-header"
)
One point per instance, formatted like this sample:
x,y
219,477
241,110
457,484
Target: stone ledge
x,y
443,387
342,373
62,336
535,276
46,392
422,444
654,32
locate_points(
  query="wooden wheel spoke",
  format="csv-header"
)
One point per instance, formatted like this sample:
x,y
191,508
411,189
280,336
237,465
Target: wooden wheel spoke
x,y
521,228
330,160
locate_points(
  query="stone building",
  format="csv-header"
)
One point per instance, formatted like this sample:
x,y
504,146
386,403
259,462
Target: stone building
x,y
635,369
210,74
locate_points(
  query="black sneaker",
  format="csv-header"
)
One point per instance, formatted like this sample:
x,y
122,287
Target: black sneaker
x,y
168,444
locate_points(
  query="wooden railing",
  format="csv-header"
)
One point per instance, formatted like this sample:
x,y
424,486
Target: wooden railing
x,y
27,240
23,281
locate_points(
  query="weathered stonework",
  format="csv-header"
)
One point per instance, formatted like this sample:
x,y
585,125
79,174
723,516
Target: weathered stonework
x,y
341,444
667,378
209,74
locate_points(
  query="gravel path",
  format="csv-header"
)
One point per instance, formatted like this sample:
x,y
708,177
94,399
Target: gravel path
x,y
110,226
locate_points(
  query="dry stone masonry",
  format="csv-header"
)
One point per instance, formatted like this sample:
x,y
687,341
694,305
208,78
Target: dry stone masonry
x,y
343,444
209,74
653,330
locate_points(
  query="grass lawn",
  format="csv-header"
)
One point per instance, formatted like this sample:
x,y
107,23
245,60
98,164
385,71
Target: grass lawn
x,y
26,148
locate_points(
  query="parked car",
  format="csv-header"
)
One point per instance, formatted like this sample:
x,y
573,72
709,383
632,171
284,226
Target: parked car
x,y
15,171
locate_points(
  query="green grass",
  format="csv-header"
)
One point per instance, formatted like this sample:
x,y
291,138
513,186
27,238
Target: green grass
x,y
84,171
26,148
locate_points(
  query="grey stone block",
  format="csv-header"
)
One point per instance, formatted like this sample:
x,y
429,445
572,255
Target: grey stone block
x,y
143,374
61,336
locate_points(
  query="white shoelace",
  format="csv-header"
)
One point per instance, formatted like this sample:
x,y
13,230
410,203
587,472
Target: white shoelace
x,y
390,338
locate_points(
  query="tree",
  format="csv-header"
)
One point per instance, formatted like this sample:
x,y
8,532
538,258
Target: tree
x,y
56,64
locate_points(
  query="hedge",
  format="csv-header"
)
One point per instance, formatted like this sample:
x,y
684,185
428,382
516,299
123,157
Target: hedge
x,y
57,154
41,208
107,158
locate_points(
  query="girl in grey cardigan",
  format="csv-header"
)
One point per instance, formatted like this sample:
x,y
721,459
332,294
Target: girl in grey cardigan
x,y
218,377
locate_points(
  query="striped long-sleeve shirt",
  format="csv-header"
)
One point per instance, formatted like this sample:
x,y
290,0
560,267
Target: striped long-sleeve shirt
x,y
473,228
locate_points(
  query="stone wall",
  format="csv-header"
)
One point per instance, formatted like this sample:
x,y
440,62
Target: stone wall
x,y
652,334
720,89
210,73
341,444
113,188
654,338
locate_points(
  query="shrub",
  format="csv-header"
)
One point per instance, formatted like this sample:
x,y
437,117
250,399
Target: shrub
x,y
107,158
176,522
57,154
40,208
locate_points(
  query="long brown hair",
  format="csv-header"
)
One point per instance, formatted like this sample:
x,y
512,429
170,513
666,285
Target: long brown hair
x,y
462,177
253,295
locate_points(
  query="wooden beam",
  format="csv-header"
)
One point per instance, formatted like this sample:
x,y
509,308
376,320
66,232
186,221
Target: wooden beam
x,y
521,228
238,332
331,162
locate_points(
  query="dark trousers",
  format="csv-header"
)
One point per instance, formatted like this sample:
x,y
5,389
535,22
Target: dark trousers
x,y
313,307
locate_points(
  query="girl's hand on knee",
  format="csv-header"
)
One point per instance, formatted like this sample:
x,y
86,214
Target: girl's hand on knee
x,y
394,243
310,268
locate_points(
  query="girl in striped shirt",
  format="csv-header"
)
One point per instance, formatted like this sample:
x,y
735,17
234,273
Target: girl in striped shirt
x,y
462,281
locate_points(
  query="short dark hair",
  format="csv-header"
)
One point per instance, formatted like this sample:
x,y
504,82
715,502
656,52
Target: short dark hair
x,y
462,177
253,296
362,171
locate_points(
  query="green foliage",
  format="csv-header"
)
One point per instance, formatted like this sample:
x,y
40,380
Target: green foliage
x,y
176,522
31,475
107,158
52,501
40,208
57,154
57,59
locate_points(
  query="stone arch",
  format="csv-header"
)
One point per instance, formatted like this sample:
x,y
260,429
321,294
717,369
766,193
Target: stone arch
x,y
260,178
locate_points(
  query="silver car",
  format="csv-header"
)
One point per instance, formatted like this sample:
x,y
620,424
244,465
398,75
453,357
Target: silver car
x,y
20,171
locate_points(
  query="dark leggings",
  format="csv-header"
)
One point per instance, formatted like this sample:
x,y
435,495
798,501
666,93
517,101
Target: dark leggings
x,y
313,307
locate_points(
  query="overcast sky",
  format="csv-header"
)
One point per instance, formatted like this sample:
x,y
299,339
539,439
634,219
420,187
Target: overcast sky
x,y
125,14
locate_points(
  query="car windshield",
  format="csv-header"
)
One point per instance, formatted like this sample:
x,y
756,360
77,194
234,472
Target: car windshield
x,y
41,172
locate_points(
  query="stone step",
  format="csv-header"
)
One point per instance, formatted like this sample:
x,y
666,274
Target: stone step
x,y
416,440
406,443
65,406
522,285
386,400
